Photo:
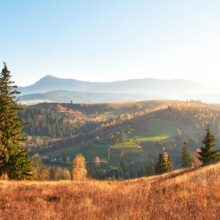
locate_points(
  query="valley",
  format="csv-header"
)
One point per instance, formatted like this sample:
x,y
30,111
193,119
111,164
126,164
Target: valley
x,y
120,135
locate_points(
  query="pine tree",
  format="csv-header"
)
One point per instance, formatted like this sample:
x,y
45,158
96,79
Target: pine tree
x,y
209,154
164,163
79,168
14,160
186,158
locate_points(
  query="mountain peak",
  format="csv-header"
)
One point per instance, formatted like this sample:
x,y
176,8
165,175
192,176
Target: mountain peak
x,y
48,77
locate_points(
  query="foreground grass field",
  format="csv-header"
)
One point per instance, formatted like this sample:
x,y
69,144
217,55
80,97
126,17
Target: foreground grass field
x,y
183,194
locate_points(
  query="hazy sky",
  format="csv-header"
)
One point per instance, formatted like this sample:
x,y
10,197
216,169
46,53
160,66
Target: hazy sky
x,y
106,40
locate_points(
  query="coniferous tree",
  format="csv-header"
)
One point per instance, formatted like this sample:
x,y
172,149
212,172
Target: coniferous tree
x,y
14,160
164,163
186,158
209,154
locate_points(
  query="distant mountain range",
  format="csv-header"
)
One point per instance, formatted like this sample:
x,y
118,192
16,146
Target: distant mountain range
x,y
54,89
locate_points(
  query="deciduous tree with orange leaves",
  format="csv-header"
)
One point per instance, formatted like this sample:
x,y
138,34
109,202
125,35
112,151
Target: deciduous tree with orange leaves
x,y
79,168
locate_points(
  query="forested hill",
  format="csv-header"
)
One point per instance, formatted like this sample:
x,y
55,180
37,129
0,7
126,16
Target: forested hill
x,y
123,134
65,120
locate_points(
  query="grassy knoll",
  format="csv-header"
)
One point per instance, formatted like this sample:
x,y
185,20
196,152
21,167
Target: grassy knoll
x,y
182,194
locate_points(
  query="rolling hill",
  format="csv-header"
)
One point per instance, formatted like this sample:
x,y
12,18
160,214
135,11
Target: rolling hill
x,y
132,133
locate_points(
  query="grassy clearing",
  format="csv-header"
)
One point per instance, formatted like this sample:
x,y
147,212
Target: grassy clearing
x,y
159,138
155,127
128,144
183,194
132,142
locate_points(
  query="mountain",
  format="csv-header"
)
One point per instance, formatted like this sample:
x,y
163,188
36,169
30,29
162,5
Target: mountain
x,y
53,89
148,85
50,83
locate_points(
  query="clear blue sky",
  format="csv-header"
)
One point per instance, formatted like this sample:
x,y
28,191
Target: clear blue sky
x,y
106,40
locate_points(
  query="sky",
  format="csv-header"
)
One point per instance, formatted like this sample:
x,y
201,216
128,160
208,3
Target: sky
x,y
108,40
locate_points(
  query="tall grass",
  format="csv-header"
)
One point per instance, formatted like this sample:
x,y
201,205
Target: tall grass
x,y
183,194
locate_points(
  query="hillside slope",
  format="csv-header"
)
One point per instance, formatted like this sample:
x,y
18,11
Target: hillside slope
x,y
182,194
126,136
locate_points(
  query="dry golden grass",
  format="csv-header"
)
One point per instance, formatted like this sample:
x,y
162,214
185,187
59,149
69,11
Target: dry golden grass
x,y
183,194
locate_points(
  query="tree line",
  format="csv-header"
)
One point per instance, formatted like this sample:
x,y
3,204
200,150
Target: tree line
x,y
46,122
206,155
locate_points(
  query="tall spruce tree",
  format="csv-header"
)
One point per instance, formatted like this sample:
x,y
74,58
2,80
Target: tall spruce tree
x,y
164,163
14,159
209,154
186,157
